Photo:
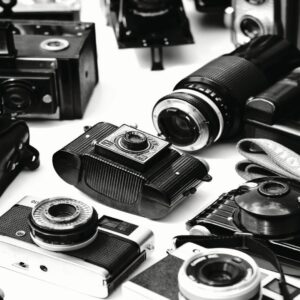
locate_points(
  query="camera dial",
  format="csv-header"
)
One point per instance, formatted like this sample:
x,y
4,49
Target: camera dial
x,y
219,274
63,224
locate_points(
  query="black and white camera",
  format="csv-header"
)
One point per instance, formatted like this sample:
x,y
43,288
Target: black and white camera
x,y
267,208
208,105
129,169
48,70
192,272
149,24
61,241
252,18
275,113
68,10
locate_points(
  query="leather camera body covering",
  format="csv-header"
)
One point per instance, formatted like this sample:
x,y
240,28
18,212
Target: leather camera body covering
x,y
16,153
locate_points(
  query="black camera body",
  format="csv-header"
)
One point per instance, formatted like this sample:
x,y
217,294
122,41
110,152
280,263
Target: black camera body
x,y
212,6
47,70
167,278
275,113
252,18
68,10
149,24
267,208
16,153
130,170
115,249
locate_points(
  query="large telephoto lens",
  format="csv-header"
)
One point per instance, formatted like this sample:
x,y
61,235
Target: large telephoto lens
x,y
219,273
208,104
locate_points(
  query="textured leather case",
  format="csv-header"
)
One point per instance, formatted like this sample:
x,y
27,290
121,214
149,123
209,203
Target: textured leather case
x,y
16,153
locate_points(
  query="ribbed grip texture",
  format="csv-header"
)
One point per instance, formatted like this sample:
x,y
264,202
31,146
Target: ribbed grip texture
x,y
235,74
178,177
112,180
83,142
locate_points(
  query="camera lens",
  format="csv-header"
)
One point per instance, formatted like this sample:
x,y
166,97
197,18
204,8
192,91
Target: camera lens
x,y
219,274
251,27
17,96
273,188
134,141
208,104
63,224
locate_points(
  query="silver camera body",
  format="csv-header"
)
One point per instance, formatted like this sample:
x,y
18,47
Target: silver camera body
x,y
104,261
166,279
253,18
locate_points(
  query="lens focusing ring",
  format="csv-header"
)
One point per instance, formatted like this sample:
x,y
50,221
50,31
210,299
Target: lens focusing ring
x,y
63,224
245,284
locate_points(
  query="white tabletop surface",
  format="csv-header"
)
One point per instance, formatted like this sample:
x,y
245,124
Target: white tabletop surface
x,y
127,92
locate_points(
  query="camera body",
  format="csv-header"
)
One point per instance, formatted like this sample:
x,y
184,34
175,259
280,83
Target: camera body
x,y
164,279
212,6
275,113
118,248
68,10
267,208
253,18
48,70
129,169
149,24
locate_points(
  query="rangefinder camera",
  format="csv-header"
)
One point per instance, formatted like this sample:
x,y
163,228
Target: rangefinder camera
x,y
68,10
192,272
48,70
252,18
266,208
42,238
130,170
275,113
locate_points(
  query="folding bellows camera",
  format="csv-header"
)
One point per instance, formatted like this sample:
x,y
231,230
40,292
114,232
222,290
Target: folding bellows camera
x,y
47,70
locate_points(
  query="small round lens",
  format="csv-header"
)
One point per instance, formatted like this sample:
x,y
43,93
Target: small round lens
x,y
62,210
251,28
273,188
178,127
135,141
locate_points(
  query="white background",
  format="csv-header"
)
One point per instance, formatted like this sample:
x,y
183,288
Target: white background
x,y
127,92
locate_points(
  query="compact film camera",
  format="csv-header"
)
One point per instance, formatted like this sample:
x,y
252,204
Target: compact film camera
x,y
48,70
192,272
252,18
42,238
16,153
130,170
208,105
68,10
275,113
267,208
149,24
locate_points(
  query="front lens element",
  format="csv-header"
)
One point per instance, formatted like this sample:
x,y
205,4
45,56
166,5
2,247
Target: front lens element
x,y
251,28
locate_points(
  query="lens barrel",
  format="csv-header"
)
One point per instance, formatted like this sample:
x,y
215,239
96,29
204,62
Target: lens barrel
x,y
209,103
219,273
63,224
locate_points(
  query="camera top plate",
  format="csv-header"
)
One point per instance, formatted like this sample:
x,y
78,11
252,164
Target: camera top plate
x,y
112,146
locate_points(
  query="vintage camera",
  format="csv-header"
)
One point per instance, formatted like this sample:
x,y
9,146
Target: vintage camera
x,y
130,170
42,238
267,208
149,23
193,272
252,18
275,113
68,10
16,153
212,6
208,104
48,70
